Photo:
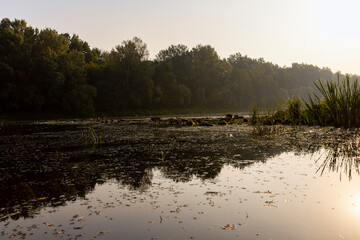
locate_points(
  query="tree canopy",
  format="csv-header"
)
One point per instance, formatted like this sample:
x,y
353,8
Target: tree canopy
x,y
43,71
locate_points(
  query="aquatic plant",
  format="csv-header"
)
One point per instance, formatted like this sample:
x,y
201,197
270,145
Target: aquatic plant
x,y
294,110
254,114
51,122
259,130
315,113
92,134
338,104
341,100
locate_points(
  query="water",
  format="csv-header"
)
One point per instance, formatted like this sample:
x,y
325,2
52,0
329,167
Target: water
x,y
146,182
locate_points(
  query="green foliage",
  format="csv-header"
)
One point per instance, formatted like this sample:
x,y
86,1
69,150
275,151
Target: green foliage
x,y
339,104
39,71
254,114
294,110
46,71
316,113
266,131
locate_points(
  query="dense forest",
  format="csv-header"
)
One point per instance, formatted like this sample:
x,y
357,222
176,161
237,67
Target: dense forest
x,y
43,71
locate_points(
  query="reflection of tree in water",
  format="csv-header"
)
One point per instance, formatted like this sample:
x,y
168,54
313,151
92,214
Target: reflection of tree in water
x,y
66,170
135,174
39,170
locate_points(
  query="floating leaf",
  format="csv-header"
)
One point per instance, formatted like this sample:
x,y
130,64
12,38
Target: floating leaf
x,y
104,231
228,227
211,193
48,224
15,234
269,204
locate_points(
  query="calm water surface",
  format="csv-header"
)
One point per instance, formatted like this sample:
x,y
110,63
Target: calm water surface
x,y
146,182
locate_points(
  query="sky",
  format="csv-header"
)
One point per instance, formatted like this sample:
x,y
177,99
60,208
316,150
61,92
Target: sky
x,y
324,33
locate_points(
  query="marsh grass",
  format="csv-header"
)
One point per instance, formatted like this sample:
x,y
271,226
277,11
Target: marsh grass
x,y
94,135
338,104
254,114
266,131
51,122
294,110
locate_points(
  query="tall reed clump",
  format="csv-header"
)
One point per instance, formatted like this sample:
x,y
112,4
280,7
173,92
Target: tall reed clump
x,y
339,104
289,112
254,114
294,111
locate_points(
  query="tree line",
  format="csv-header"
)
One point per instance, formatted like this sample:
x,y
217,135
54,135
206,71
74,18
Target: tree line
x,y
43,71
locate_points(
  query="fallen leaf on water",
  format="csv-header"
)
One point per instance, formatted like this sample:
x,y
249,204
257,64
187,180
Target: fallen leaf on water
x,y
211,192
212,203
48,224
78,228
42,198
104,231
269,204
228,227
15,234
177,210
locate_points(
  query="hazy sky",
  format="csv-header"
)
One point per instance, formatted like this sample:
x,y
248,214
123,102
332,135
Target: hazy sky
x,y
325,33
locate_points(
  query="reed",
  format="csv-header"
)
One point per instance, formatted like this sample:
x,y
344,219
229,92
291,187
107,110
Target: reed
x,y
254,114
294,111
338,105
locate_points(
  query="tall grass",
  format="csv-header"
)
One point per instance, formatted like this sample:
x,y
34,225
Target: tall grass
x,y
294,110
254,114
338,104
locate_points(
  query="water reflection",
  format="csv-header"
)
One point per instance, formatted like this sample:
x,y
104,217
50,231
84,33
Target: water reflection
x,y
51,166
342,156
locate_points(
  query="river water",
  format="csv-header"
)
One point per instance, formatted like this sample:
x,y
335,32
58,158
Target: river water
x,y
136,180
